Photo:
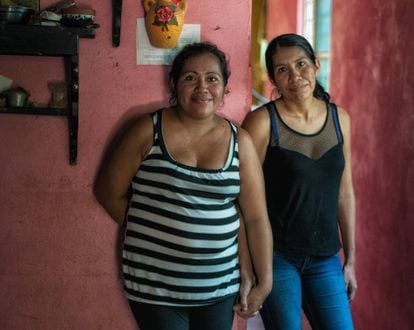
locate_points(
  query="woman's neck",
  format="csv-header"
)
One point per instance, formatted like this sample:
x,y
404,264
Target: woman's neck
x,y
305,109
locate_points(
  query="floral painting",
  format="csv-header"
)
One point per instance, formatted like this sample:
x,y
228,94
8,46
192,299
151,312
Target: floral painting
x,y
164,15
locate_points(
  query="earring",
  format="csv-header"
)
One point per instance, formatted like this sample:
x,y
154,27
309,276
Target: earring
x,y
278,90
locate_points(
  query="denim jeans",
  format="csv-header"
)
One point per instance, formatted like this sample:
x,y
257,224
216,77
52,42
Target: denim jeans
x,y
315,284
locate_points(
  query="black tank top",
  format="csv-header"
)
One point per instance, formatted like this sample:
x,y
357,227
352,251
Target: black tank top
x,y
302,178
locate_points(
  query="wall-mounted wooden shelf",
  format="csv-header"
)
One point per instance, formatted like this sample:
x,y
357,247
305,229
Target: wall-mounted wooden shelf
x,y
33,40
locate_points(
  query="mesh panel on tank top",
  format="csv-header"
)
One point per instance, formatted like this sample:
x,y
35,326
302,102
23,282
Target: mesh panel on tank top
x,y
314,145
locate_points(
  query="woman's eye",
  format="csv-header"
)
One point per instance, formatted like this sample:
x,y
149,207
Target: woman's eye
x,y
189,78
281,70
302,63
212,79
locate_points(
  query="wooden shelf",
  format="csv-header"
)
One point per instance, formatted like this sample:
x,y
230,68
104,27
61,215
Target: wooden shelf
x,y
35,111
36,40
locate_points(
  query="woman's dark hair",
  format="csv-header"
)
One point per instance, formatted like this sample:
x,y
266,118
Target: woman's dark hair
x,y
291,40
192,50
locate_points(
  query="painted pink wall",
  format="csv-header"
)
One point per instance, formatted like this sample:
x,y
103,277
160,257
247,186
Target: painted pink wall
x,y
281,18
57,246
373,78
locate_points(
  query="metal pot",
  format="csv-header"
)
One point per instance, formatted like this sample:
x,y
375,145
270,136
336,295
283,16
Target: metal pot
x,y
16,97
15,14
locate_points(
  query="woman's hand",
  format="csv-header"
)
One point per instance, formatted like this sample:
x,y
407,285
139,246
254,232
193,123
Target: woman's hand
x,y
350,280
248,282
254,301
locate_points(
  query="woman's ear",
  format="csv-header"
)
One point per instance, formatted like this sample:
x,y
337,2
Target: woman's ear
x,y
272,79
172,85
317,65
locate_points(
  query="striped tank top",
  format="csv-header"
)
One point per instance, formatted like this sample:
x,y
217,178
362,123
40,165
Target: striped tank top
x,y
180,245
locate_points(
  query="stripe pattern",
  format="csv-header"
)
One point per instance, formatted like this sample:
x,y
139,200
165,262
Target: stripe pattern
x,y
180,245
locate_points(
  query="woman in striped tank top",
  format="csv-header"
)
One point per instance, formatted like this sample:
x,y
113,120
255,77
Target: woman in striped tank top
x,y
179,178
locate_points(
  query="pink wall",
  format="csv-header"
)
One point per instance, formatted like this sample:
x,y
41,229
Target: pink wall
x,y
281,18
57,246
373,78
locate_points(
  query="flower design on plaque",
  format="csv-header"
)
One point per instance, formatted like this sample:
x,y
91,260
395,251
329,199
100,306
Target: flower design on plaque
x,y
164,20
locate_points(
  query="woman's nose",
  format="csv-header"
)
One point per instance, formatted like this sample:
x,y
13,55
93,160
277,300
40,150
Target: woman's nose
x,y
295,74
201,83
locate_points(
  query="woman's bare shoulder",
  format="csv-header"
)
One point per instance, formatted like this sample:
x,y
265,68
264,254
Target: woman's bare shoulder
x,y
344,117
256,120
137,138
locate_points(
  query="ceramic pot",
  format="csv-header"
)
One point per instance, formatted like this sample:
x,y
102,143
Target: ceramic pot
x,y
164,20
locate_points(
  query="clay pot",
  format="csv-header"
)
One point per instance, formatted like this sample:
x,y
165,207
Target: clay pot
x,y
164,20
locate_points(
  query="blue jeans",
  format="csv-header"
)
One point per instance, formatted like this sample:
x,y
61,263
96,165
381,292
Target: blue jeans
x,y
315,284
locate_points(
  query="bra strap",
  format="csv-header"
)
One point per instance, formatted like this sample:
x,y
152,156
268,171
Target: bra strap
x,y
335,118
271,108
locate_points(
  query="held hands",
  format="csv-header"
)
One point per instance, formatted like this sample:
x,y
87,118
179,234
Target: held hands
x,y
251,296
250,305
350,279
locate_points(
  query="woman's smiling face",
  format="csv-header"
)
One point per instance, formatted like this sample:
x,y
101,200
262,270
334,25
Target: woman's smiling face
x,y
200,87
294,73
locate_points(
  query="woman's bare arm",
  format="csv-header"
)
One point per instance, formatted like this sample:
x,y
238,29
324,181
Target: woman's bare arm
x,y
346,208
112,187
252,204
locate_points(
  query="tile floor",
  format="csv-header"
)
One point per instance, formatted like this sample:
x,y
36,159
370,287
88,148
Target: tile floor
x,y
255,323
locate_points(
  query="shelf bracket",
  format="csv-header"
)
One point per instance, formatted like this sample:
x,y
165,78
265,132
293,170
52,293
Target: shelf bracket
x,y
116,22
73,100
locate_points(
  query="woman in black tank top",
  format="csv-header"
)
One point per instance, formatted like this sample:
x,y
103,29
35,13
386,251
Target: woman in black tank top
x,y
303,142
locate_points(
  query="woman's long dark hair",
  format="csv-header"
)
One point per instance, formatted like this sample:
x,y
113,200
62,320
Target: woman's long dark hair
x,y
291,40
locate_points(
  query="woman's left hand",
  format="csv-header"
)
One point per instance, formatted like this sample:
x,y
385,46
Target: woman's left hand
x,y
350,280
